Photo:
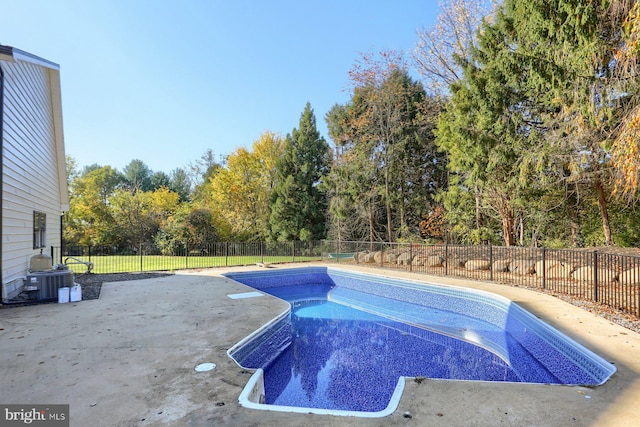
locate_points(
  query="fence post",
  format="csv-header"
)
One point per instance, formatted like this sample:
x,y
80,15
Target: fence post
x,y
226,254
89,252
446,259
544,268
261,252
338,251
595,276
490,262
293,251
410,257
140,257
186,255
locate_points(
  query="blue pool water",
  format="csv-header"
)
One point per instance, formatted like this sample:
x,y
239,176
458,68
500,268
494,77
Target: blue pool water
x,y
348,339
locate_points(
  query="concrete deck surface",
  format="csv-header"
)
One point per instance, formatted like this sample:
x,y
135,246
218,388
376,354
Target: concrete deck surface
x,y
128,359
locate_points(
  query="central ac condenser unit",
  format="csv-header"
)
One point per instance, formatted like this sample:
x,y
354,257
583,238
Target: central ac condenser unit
x,y
47,283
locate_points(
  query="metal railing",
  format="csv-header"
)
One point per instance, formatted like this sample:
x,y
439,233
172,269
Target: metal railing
x,y
110,259
609,279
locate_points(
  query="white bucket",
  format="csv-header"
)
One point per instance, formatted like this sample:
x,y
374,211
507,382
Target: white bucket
x,y
75,293
63,295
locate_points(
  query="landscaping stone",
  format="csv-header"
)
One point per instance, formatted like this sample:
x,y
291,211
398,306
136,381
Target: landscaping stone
x,y
630,276
404,258
370,258
522,266
559,271
433,261
548,264
477,264
501,265
361,257
586,274
456,262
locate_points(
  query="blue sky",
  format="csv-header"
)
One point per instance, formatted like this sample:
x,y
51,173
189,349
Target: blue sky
x,y
163,81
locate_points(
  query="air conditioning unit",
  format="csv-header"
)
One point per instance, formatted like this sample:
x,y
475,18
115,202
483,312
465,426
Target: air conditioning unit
x,y
47,283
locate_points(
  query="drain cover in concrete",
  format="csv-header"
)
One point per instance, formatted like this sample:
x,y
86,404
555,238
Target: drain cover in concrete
x,y
204,367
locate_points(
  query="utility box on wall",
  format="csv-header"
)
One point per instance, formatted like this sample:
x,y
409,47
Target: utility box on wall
x,y
47,283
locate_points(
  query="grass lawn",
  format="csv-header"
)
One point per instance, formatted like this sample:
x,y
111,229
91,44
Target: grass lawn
x,y
134,263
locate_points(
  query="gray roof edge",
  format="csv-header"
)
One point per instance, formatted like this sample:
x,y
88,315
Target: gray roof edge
x,y
21,55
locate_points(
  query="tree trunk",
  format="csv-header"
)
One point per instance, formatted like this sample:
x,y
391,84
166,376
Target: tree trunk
x,y
574,220
507,228
479,220
387,203
371,222
602,204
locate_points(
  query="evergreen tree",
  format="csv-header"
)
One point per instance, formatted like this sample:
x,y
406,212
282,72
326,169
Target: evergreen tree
x,y
138,175
298,204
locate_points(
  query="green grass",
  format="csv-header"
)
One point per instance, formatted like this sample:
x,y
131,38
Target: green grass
x,y
135,263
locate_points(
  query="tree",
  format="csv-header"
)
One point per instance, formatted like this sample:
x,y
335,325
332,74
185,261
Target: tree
x,y
201,172
179,182
190,228
385,143
584,83
158,180
485,133
241,190
453,36
138,175
139,215
89,220
625,149
298,204
541,104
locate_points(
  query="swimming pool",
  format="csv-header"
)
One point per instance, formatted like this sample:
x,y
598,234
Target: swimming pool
x,y
349,341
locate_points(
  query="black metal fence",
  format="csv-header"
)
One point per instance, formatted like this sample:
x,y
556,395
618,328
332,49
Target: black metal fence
x,y
609,279
605,278
111,259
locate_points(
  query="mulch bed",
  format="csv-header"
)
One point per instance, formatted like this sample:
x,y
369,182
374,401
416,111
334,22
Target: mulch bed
x,y
91,286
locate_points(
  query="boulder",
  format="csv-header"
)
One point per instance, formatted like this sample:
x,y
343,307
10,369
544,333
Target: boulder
x,y
419,260
433,261
428,260
522,266
361,256
379,257
630,276
547,263
456,262
501,265
369,258
585,274
392,257
404,258
477,264
558,271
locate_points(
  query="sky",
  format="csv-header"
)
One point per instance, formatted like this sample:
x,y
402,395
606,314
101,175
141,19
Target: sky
x,y
163,81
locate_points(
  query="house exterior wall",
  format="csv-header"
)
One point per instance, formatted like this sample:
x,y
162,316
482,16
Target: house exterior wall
x,y
30,168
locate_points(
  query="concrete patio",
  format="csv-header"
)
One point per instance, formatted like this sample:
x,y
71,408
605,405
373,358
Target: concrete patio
x,y
128,359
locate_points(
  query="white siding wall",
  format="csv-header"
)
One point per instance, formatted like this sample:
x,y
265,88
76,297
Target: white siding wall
x,y
30,178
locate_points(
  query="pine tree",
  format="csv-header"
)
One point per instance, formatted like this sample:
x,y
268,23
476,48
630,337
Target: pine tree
x,y
298,205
